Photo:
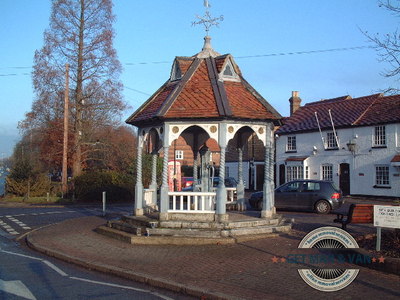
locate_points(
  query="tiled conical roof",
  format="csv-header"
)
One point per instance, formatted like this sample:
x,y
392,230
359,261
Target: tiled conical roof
x,y
205,86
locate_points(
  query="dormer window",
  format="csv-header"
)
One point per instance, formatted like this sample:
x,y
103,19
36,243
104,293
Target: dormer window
x,y
228,72
176,72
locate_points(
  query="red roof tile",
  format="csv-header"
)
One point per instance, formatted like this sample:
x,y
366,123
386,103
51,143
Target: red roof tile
x,y
150,108
345,111
384,110
200,93
244,104
396,158
196,98
184,63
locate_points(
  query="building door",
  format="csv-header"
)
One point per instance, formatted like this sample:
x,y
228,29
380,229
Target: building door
x,y
344,179
282,174
260,177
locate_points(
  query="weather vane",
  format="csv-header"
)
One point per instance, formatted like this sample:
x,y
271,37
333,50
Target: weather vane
x,y
207,20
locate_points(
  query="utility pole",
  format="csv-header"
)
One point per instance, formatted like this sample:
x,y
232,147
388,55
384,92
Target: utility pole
x,y
65,142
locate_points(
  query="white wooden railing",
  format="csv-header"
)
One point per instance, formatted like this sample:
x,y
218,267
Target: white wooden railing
x,y
230,191
192,202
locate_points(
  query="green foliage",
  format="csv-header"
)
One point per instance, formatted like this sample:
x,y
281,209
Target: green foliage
x,y
22,170
147,163
90,186
26,180
35,186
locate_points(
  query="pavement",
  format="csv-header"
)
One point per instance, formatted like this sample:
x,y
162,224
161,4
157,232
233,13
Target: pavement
x,y
254,269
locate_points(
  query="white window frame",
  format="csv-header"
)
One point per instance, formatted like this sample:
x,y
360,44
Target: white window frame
x,y
294,172
382,175
379,136
176,72
327,172
331,142
233,77
306,172
291,143
178,154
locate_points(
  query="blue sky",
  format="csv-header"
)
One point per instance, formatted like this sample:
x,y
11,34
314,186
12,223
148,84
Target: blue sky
x,y
149,34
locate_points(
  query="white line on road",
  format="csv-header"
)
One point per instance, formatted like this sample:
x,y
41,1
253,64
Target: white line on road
x,y
43,213
17,288
21,255
62,273
122,287
109,284
55,268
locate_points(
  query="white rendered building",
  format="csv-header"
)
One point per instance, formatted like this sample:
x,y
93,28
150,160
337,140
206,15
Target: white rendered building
x,y
353,142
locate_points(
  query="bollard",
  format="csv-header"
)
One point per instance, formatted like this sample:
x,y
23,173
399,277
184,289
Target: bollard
x,y
104,204
48,197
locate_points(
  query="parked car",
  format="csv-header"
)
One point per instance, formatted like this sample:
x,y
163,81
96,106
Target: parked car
x,y
186,181
229,182
315,195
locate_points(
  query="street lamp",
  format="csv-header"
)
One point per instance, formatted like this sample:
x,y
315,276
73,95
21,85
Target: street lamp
x,y
352,146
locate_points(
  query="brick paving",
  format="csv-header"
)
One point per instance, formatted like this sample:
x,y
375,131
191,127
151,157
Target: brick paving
x,y
239,271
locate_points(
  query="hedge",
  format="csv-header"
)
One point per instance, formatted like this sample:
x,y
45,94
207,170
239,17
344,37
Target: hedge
x,y
89,186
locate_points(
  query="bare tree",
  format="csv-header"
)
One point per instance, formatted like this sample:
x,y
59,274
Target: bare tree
x,y
388,45
80,34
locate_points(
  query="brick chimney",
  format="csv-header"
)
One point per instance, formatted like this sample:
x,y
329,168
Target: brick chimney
x,y
295,102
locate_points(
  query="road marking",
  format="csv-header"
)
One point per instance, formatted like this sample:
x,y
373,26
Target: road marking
x,y
108,284
21,255
12,218
55,268
122,287
22,287
19,223
17,288
43,213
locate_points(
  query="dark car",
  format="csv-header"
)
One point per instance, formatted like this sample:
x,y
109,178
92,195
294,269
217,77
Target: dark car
x,y
229,182
315,195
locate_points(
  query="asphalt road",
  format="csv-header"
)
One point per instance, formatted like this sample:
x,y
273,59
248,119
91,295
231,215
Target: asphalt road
x,y
19,220
25,274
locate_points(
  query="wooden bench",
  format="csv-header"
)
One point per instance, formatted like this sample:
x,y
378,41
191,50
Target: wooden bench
x,y
358,213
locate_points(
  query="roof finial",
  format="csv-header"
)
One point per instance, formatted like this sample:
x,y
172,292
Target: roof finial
x,y
207,20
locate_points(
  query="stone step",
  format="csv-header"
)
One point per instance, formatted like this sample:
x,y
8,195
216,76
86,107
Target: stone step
x,y
124,226
236,236
236,232
140,221
161,240
192,225
202,233
252,223
216,225
227,232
